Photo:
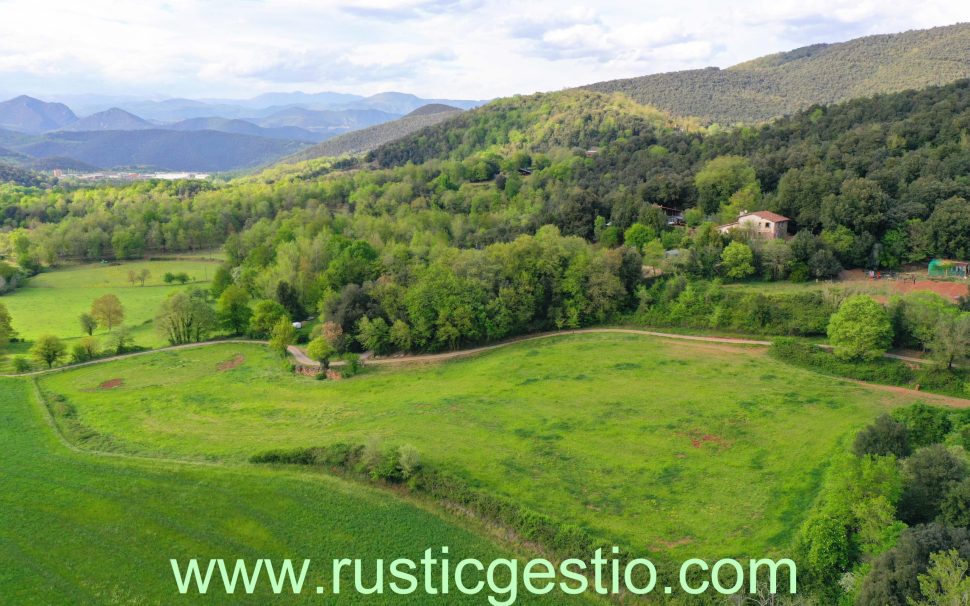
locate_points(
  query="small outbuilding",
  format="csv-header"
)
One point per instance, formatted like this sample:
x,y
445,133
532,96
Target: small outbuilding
x,y
945,268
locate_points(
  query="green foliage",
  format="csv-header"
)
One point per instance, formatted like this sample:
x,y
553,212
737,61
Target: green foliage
x,y
321,350
232,309
720,179
185,318
955,508
894,577
946,582
282,335
860,329
374,335
926,425
21,364
87,348
88,323
885,436
48,349
737,261
266,315
929,475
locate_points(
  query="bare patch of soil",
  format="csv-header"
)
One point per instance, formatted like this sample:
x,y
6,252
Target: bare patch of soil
x,y
237,360
112,384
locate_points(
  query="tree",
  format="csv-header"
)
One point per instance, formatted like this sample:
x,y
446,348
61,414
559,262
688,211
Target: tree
x,y
334,334
823,264
400,335
637,235
143,275
168,278
737,261
950,343
132,277
48,349
287,296
949,228
885,436
929,472
233,309
221,280
282,336
860,329
121,340
776,259
266,314
374,334
85,349
88,323
321,351
946,582
927,425
720,179
409,460
955,509
181,277
185,318
6,328
894,577
108,311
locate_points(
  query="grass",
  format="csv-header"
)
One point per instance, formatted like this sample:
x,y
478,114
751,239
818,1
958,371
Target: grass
x,y
685,449
86,529
51,302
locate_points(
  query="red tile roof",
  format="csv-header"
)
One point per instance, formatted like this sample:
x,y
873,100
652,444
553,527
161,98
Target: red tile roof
x,y
767,215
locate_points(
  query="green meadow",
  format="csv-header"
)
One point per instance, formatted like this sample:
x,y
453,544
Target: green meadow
x,y
79,528
51,302
680,448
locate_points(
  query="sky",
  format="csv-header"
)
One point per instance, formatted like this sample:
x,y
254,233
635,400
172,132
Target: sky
x,y
458,49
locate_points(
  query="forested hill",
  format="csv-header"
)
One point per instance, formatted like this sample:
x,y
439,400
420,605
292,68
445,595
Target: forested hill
x,y
784,83
566,119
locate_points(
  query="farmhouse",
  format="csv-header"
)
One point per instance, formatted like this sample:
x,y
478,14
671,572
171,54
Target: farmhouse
x,y
763,223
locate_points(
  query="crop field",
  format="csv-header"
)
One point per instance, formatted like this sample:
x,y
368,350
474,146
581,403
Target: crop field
x,y
51,302
681,448
78,528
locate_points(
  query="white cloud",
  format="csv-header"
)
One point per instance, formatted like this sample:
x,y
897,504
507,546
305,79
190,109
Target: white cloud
x,y
443,48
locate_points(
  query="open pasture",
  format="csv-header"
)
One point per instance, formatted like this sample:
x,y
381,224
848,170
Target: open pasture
x,y
78,528
681,448
51,302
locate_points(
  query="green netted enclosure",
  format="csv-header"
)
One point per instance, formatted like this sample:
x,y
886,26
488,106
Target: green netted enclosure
x,y
941,268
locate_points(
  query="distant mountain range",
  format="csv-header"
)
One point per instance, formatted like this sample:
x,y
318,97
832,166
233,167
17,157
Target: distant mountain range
x,y
783,83
366,139
185,134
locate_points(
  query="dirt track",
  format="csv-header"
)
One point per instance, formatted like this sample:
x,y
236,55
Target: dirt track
x,y
301,358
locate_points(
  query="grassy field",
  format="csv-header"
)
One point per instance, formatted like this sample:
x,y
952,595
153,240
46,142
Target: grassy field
x,y
674,447
86,529
51,302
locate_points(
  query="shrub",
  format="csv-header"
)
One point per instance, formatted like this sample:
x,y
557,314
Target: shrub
x,y
860,329
955,509
929,474
926,424
21,364
884,437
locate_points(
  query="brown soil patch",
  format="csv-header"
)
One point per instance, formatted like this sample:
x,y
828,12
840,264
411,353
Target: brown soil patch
x,y
667,545
698,440
112,384
237,360
950,290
